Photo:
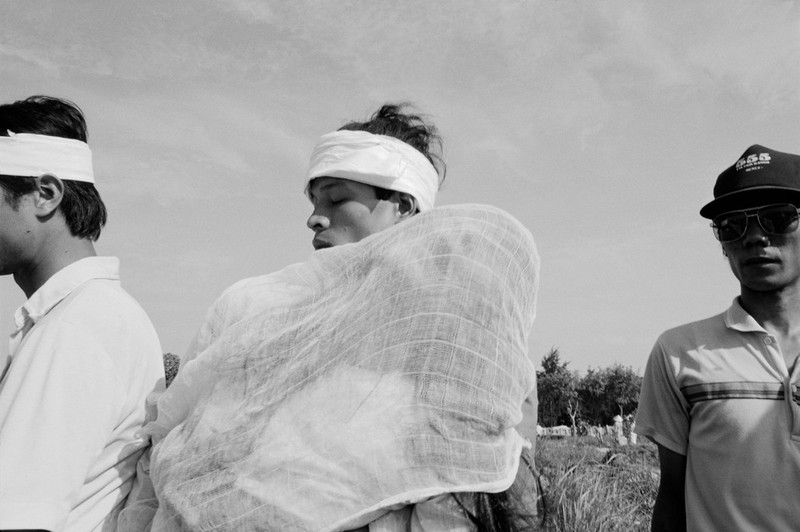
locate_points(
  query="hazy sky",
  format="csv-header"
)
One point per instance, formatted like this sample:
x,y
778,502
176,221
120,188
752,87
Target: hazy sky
x,y
601,125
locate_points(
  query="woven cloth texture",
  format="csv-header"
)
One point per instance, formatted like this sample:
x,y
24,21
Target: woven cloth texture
x,y
380,374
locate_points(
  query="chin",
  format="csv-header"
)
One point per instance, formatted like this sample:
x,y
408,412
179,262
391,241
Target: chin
x,y
764,285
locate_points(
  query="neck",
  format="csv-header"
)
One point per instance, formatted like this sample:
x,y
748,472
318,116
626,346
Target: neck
x,y
776,311
56,255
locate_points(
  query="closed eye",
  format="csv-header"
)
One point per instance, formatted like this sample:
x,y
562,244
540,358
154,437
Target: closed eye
x,y
337,199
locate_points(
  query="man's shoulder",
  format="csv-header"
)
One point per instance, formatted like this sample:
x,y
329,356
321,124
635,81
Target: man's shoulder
x,y
270,290
103,298
228,308
243,287
234,301
242,292
695,331
102,326
101,313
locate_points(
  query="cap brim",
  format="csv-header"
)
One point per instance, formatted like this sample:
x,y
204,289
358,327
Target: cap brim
x,y
748,198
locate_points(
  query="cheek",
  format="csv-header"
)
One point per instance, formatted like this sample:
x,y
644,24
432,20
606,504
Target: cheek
x,y
362,222
350,216
381,219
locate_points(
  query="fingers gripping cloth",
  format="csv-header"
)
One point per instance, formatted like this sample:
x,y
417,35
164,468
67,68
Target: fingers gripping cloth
x,y
390,371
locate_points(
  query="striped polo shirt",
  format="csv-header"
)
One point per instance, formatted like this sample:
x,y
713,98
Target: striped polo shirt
x,y
718,391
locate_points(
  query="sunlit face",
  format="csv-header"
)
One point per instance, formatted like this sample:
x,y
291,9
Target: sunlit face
x,y
346,211
765,262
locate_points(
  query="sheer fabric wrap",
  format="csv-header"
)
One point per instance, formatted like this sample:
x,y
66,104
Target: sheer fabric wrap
x,y
376,375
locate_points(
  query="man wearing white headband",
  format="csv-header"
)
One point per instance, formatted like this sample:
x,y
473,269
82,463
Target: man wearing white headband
x,y
368,176
363,180
83,356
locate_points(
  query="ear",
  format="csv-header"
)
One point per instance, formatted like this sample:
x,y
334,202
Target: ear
x,y
406,206
48,194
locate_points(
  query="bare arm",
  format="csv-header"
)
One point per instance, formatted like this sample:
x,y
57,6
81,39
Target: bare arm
x,y
669,513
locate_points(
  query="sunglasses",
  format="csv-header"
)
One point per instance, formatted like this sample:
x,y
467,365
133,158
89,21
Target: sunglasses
x,y
773,219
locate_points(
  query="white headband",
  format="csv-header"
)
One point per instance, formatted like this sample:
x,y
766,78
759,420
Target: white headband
x,y
376,160
30,155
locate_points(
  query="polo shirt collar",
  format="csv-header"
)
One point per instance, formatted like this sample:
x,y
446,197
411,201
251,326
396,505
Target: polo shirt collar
x,y
738,319
62,283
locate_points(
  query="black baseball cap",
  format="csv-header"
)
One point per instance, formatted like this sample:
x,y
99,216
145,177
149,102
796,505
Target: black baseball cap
x,y
761,176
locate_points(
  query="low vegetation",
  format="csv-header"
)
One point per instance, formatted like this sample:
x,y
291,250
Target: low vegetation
x,y
594,485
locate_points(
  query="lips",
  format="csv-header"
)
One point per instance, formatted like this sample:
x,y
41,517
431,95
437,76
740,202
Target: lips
x,y
318,243
760,260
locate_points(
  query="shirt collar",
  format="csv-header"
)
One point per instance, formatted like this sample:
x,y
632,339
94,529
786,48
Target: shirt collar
x,y
738,319
62,283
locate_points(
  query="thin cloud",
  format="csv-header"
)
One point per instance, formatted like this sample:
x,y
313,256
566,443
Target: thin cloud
x,y
12,56
248,10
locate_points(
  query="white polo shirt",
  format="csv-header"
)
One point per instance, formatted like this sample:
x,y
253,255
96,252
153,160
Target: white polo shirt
x,y
83,358
718,391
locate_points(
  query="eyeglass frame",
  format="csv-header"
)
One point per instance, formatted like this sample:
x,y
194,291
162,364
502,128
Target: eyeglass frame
x,y
753,213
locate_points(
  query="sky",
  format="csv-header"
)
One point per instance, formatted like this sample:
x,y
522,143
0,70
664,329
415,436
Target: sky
x,y
601,126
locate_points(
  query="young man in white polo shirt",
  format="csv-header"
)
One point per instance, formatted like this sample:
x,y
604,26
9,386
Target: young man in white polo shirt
x,y
84,355
720,395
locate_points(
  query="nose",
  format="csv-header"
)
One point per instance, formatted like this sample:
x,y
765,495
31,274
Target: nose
x,y
755,234
317,222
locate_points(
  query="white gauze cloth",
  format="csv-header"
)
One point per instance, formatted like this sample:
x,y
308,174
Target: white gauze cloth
x,y
31,155
392,370
377,160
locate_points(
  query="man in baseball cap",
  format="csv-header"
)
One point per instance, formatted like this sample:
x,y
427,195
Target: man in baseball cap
x,y
720,396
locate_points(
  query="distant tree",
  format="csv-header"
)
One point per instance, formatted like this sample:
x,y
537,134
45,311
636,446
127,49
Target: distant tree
x,y
606,392
591,391
622,388
574,410
556,388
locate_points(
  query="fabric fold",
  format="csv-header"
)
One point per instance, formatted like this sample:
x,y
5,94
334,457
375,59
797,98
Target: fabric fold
x,y
386,372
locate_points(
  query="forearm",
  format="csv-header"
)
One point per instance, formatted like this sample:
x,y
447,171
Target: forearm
x,y
669,515
669,512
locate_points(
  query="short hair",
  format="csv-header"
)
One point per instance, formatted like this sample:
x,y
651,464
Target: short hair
x,y
392,121
81,206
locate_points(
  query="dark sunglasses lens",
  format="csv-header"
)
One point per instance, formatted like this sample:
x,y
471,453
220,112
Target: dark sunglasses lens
x,y
779,219
730,226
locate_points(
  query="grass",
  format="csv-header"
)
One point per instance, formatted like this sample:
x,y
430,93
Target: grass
x,y
593,485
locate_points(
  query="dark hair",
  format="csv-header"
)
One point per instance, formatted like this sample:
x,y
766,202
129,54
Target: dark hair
x,y
81,206
392,121
518,509
498,512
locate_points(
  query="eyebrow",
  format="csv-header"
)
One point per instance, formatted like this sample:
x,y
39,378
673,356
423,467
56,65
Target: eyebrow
x,y
325,187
